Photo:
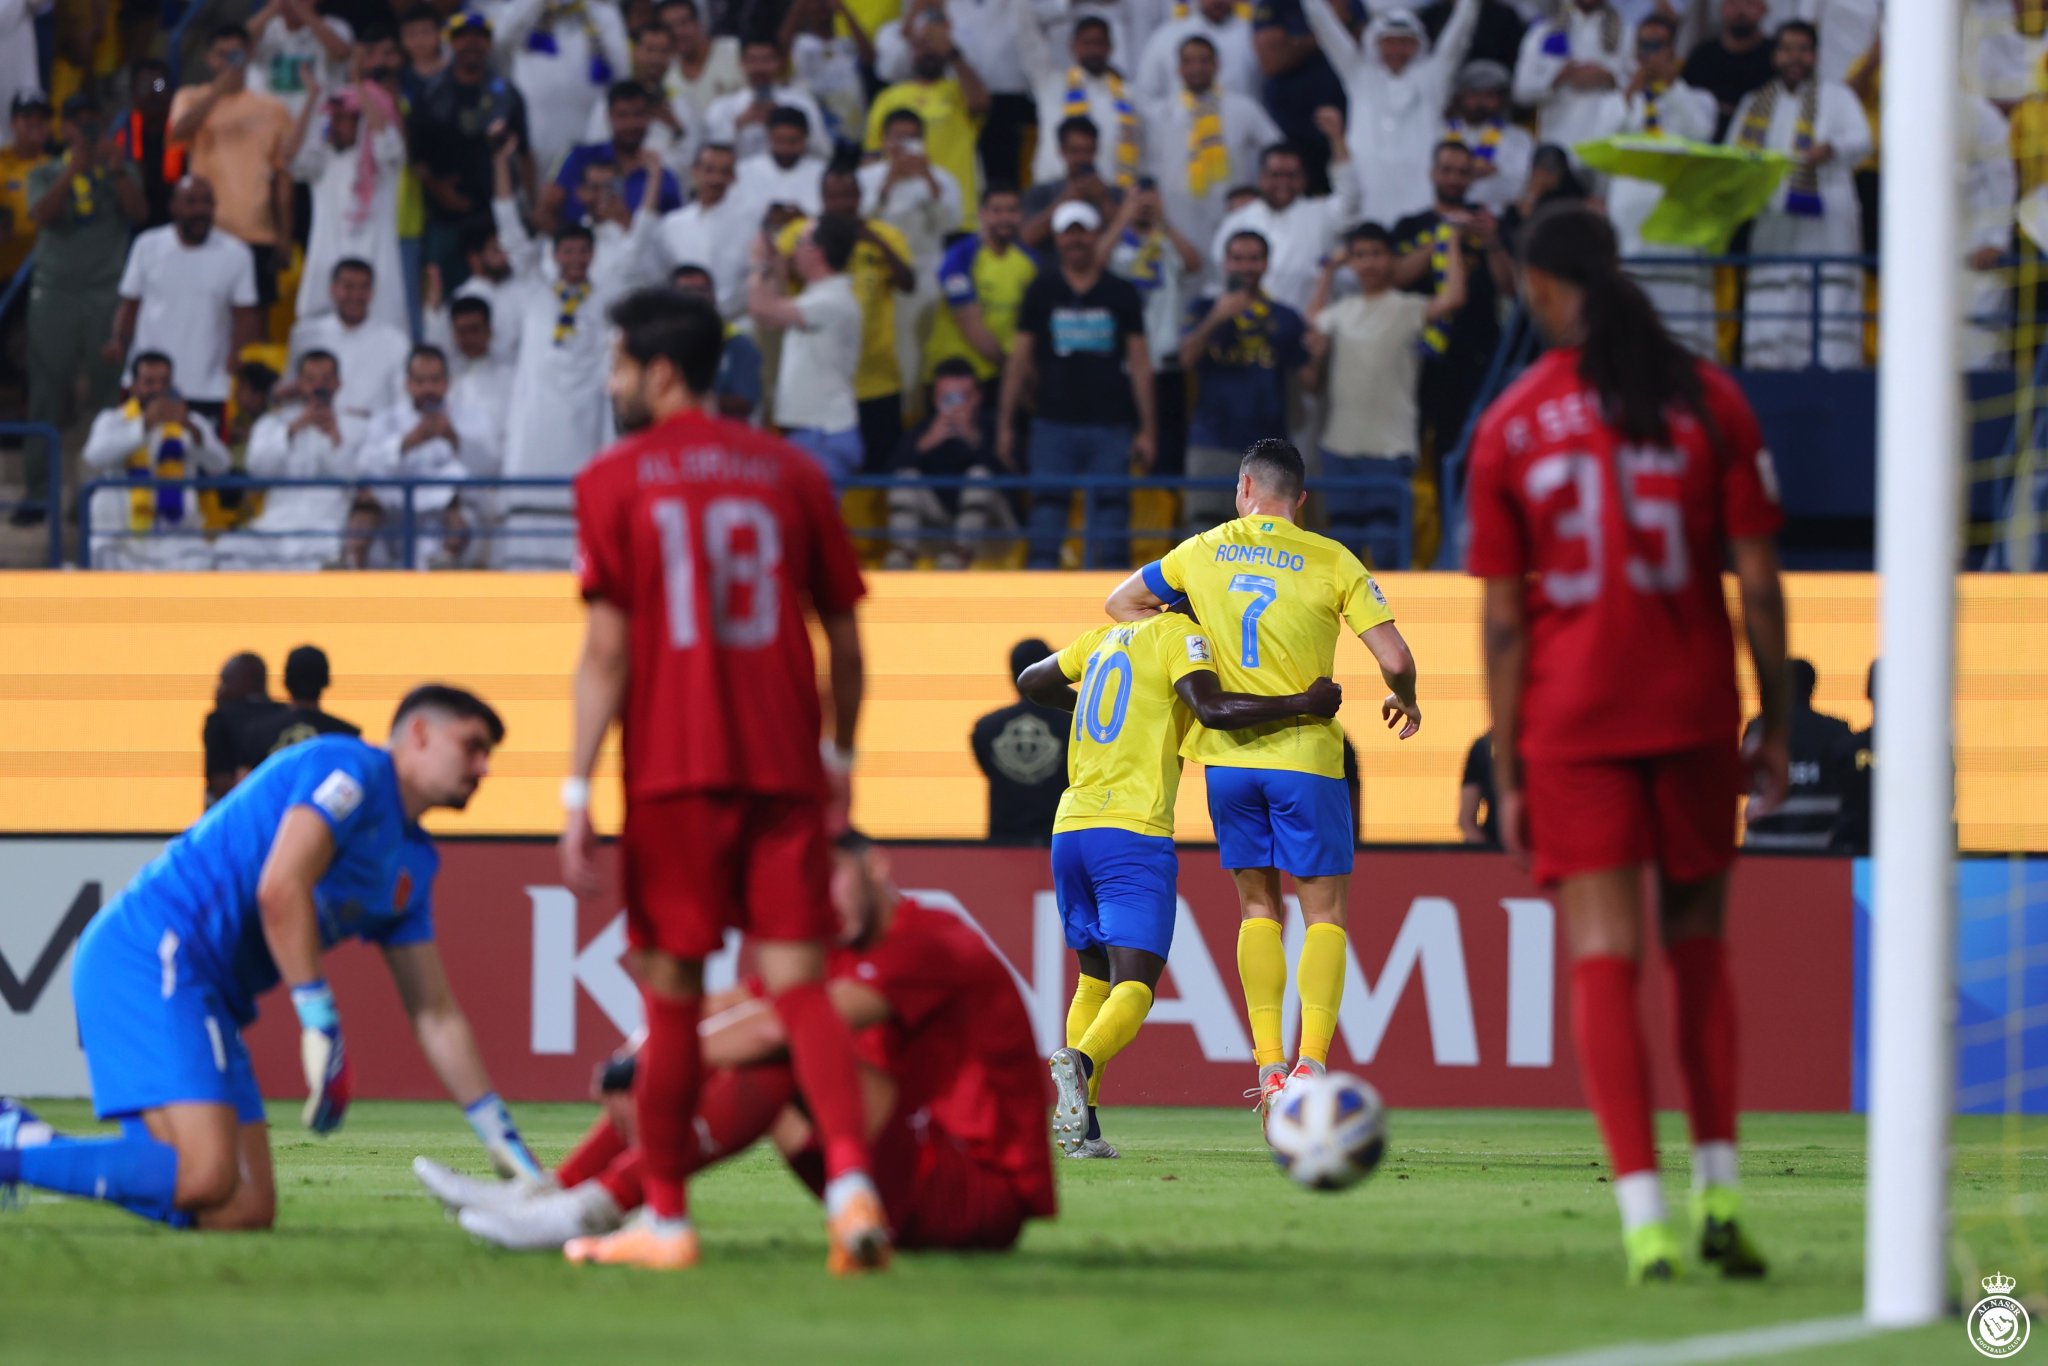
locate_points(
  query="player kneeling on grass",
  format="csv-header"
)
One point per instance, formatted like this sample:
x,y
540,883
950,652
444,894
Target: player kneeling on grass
x,y
950,1078
320,844
1608,488
1143,688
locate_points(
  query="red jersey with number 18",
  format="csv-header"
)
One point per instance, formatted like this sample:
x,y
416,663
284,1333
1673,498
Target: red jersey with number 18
x,y
1630,647
713,537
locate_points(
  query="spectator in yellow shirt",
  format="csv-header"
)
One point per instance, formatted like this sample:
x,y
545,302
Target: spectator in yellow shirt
x,y
946,93
880,270
29,121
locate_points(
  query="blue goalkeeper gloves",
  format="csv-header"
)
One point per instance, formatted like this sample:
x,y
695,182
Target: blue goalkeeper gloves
x,y
494,1129
325,1059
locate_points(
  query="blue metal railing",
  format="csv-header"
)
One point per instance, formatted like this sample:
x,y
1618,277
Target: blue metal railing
x,y
1814,315
53,477
17,285
401,532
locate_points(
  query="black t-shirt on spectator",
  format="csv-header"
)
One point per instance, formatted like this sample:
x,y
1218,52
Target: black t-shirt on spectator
x,y
1022,750
1078,342
1823,763
1479,774
258,737
1497,37
950,458
1474,330
450,133
1727,76
223,729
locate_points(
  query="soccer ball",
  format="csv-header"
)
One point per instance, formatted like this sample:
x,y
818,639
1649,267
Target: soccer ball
x,y
1328,1132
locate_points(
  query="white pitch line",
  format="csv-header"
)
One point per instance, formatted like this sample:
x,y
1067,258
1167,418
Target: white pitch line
x,y
1746,1345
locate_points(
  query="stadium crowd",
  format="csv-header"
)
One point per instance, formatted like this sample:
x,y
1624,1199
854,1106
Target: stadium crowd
x,y
954,240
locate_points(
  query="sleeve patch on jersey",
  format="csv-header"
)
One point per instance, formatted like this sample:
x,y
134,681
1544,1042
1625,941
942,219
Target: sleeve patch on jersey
x,y
1198,650
1767,471
1377,596
338,795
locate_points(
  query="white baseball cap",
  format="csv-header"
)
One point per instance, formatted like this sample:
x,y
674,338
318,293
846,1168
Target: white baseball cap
x,y
1075,214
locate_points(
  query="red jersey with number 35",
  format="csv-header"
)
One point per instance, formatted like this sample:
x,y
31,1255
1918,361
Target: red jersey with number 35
x,y
713,537
1630,647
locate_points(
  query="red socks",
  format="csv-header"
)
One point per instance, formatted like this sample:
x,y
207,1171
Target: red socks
x,y
588,1159
665,1099
625,1179
1703,1021
822,1057
735,1109
1612,1064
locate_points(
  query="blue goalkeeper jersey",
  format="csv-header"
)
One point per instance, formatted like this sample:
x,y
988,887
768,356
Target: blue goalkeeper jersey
x,y
202,888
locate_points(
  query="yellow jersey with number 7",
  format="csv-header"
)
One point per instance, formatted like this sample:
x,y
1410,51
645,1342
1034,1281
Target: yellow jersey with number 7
x,y
1123,758
1273,600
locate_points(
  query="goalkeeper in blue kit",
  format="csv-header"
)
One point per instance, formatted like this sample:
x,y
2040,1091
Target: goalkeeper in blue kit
x,y
320,844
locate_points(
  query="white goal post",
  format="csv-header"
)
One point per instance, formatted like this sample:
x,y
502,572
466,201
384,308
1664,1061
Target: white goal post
x,y
1919,481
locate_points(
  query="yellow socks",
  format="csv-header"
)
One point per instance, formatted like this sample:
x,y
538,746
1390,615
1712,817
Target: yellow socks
x,y
1116,1024
1319,977
1262,967
1089,995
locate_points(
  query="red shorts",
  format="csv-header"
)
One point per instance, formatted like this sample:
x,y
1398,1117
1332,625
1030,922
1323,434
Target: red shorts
x,y
1674,810
937,1194
700,863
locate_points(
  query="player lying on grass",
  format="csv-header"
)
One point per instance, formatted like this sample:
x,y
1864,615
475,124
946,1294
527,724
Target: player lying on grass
x,y
1275,599
1609,486
1143,687
319,844
950,1075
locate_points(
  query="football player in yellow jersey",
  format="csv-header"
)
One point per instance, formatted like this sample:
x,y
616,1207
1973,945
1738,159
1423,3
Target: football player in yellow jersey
x,y
1143,687
1274,599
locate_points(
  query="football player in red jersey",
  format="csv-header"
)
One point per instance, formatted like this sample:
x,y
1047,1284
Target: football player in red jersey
x,y
955,1087
702,542
1609,486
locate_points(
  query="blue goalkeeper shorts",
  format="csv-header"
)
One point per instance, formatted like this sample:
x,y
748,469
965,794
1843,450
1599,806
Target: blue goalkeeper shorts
x,y
154,1033
1297,822
1115,889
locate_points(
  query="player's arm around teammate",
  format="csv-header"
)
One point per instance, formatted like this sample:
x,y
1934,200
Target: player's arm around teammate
x,y
1279,598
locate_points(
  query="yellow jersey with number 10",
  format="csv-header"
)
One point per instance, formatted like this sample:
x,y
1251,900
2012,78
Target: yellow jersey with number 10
x,y
1123,758
1273,599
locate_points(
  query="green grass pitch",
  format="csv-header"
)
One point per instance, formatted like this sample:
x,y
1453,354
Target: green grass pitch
x,y
1487,1237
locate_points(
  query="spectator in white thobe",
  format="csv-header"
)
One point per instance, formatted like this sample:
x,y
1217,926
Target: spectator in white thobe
x,y
1662,105
714,229
306,438
477,377
353,167
1082,84
371,354
151,433
786,174
439,441
740,119
1397,86
1206,141
1573,69
1847,30
1299,231
564,54
1229,32
1814,213
561,416
674,128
